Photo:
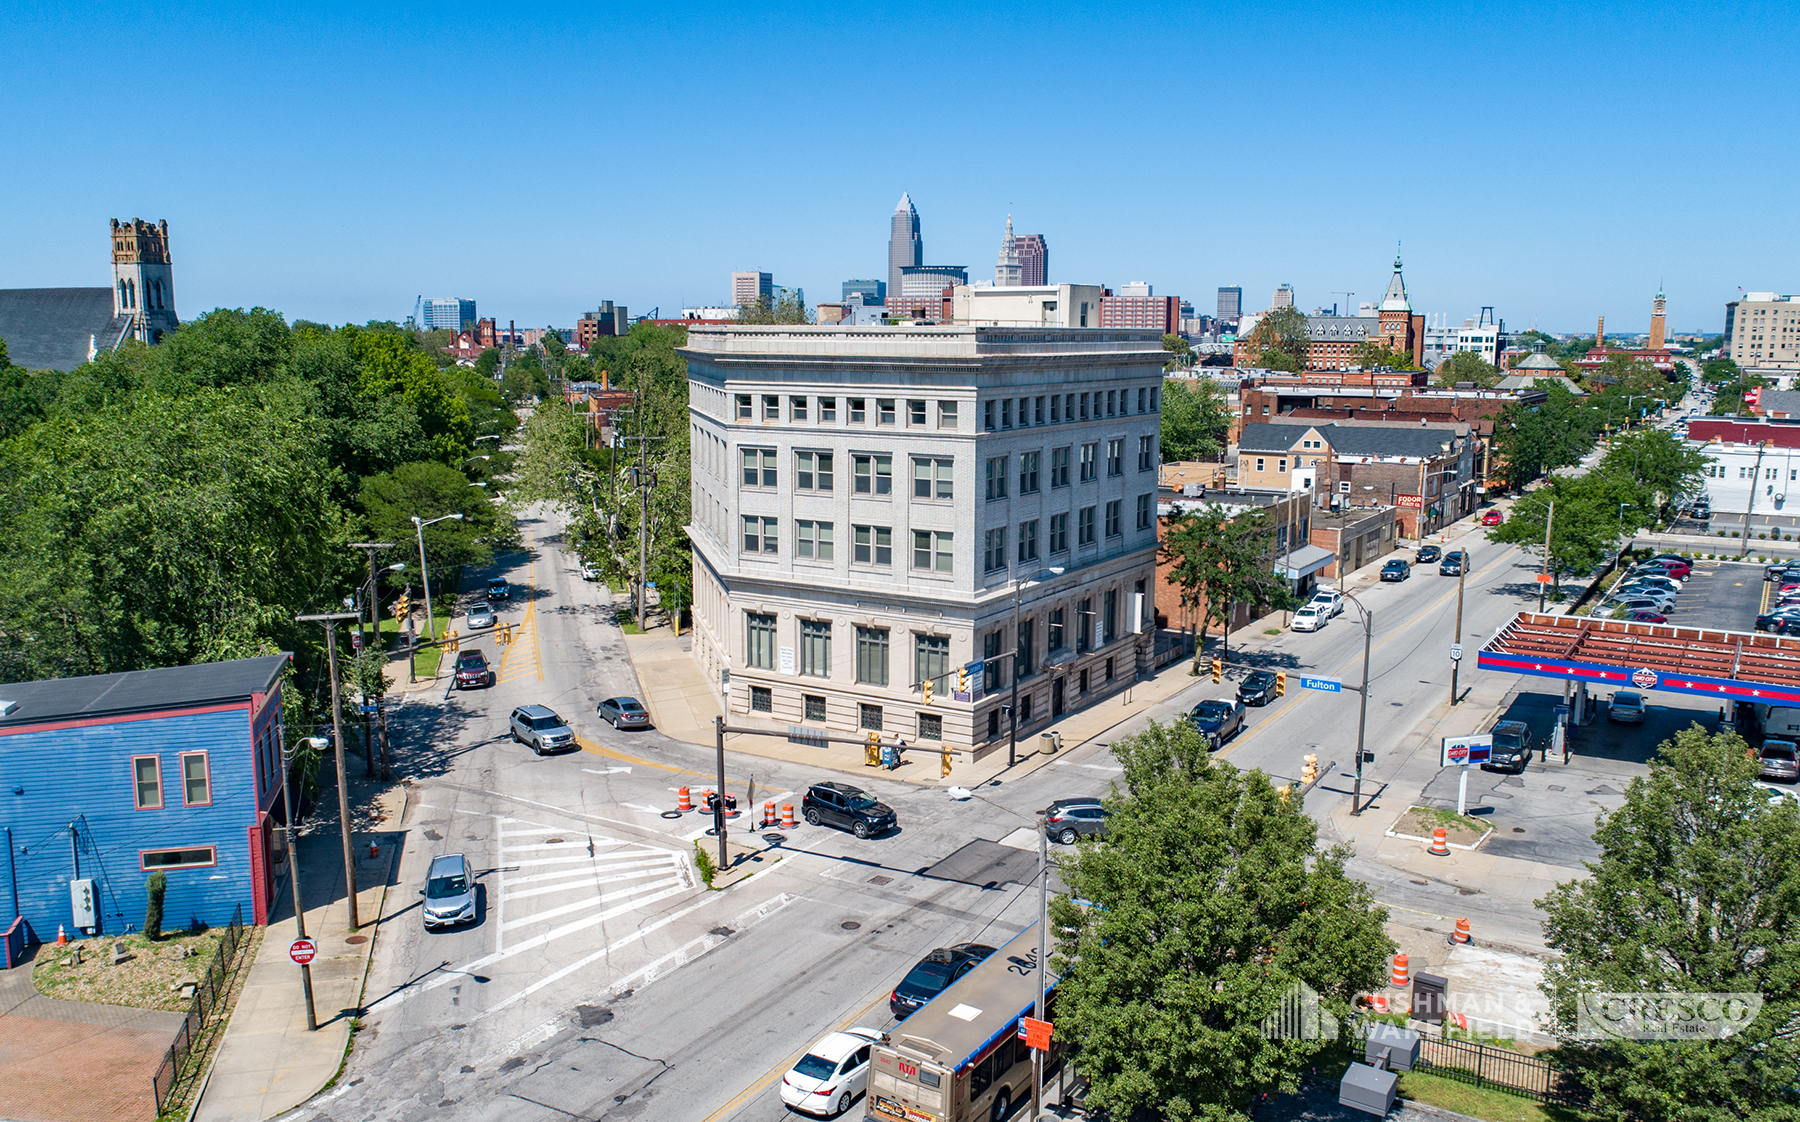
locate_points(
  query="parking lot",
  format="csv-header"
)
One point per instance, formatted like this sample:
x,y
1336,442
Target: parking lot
x,y
1720,594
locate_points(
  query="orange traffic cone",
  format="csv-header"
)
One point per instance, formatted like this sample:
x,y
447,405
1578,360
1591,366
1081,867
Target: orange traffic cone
x,y
1400,976
62,936
1440,842
1462,931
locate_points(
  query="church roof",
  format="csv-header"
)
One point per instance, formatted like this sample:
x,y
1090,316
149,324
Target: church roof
x,y
55,328
1394,299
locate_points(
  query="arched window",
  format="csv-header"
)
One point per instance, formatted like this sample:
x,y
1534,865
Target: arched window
x,y
131,294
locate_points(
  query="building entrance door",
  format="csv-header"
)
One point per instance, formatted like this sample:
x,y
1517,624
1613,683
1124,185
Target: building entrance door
x,y
1056,698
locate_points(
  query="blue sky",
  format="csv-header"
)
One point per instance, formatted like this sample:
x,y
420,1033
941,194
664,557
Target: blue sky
x,y
1553,161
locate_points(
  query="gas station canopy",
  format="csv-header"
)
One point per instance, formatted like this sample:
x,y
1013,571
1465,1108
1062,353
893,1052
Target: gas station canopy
x,y
1740,666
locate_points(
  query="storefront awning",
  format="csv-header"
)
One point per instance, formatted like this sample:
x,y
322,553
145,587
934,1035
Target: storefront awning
x,y
1304,562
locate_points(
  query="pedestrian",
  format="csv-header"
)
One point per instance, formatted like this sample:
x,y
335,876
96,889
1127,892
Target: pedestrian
x,y
899,747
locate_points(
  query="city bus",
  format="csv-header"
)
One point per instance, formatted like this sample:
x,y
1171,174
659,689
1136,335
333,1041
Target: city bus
x,y
960,1057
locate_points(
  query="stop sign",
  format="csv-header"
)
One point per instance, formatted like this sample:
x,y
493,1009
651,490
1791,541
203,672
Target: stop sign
x,y
302,951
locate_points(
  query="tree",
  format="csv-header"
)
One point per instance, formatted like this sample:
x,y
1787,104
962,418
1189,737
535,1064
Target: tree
x,y
1195,419
430,490
788,307
1466,366
1206,905
1220,561
1665,468
1530,440
1627,374
1181,352
1281,339
156,885
1588,524
1697,890
1373,355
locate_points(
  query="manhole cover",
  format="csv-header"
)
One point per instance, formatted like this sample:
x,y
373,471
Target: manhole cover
x,y
880,880
850,925
1518,829
553,841
355,940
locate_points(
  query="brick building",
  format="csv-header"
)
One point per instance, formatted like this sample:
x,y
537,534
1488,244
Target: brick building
x,y
1135,305
1427,469
1289,513
1355,536
1333,341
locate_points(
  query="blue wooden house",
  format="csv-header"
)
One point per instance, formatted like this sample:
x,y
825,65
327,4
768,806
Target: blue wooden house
x,y
109,778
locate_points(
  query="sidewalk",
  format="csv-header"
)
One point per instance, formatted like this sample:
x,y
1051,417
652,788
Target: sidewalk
x,y
269,1062
677,694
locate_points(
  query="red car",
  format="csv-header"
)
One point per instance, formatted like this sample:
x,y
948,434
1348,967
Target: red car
x,y
1492,518
472,671
1645,615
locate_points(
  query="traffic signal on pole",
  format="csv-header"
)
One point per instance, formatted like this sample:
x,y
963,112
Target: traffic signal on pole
x,y
1218,668
1309,769
403,606
1280,683
450,640
928,691
962,679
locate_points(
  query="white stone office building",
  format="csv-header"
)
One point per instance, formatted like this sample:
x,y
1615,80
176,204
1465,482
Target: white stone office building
x,y
866,498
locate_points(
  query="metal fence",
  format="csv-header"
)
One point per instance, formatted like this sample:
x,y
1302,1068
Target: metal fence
x,y
1486,1066
1171,646
207,994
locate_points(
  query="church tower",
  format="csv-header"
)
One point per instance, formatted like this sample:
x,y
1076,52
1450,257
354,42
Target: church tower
x,y
143,282
1658,326
1398,329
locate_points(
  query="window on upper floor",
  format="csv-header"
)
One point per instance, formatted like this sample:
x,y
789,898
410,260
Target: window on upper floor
x,y
743,407
1115,456
146,775
828,410
812,471
915,413
1059,467
874,474
996,477
934,478
884,411
771,407
759,467
946,414
196,779
797,409
858,413
1090,462
1146,453
993,553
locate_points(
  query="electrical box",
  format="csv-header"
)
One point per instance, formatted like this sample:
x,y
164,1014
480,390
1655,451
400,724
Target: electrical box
x,y
84,903
1428,997
1392,1047
1368,1089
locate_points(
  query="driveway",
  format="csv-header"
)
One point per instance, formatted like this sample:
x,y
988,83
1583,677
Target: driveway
x,y
76,1061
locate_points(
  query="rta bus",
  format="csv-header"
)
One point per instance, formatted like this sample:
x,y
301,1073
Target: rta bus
x,y
960,1057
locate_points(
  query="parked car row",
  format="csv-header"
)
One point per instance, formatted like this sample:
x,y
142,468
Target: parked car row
x,y
1783,616
1646,592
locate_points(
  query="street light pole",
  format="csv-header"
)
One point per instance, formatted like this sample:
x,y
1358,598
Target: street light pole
x,y
293,855
1362,713
424,574
330,620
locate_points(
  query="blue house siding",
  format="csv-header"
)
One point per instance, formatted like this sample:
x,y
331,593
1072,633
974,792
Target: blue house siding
x,y
68,792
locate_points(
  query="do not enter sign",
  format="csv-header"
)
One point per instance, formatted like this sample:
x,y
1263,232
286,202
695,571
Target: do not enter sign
x,y
302,951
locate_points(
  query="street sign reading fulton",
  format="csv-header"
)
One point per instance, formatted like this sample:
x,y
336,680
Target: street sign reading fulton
x,y
1329,685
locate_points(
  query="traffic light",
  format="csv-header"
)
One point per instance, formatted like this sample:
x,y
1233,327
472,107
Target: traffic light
x,y
1218,669
962,679
1280,683
1309,769
872,754
450,639
403,606
928,691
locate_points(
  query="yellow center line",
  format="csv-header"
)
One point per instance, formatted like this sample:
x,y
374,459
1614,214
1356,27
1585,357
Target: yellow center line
x,y
787,1065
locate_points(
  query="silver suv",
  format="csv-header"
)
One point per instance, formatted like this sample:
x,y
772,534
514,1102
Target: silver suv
x,y
540,727
449,891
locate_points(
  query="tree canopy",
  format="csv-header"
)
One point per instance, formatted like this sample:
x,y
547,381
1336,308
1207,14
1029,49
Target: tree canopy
x,y
1466,366
1281,339
1373,355
1195,419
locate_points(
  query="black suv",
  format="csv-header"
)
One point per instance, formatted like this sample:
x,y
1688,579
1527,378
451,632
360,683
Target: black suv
x,y
1257,688
847,808
1512,747
933,976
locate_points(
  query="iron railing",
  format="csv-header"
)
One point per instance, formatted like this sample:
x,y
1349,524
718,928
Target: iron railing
x,y
1484,1065
211,989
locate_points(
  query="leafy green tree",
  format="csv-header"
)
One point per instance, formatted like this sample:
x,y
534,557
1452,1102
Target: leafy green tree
x,y
391,364
428,489
788,307
1206,905
1195,419
1588,523
1466,366
1530,440
1181,352
1719,371
1280,340
1665,468
1697,890
487,363
1627,374
1218,562
1374,355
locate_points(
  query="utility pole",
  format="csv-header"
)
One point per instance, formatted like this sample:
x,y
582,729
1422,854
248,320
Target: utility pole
x,y
370,639
1462,572
330,620
1544,570
1750,504
293,854
1362,712
425,575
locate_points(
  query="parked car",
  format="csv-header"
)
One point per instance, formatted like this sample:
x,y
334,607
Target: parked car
x,y
1656,570
933,975
1677,569
449,891
1648,598
1331,599
1512,747
1778,796
833,1073
1645,615
847,808
1780,569
1218,719
1067,819
624,713
498,589
1779,623
1452,564
1311,618
472,671
1257,688
1492,518
1779,760
1427,554
1627,707
480,616
1655,580
1397,569
540,727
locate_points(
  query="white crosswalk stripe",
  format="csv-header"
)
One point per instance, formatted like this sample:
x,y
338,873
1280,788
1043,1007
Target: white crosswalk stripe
x,y
554,879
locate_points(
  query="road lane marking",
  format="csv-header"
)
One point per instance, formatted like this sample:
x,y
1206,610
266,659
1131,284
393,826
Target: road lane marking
x,y
604,898
787,1065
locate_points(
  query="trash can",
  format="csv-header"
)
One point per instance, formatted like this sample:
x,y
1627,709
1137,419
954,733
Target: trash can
x,y
1047,743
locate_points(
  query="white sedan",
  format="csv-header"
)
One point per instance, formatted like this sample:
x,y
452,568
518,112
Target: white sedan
x,y
1332,602
833,1073
1311,618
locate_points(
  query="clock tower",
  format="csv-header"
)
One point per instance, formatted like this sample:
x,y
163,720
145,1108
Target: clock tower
x,y
1398,329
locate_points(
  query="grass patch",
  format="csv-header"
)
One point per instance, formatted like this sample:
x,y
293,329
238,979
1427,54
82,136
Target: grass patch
x,y
429,656
1420,821
206,1044
1485,1103
150,980
628,622
1271,631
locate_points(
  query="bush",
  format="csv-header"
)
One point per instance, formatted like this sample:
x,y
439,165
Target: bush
x,y
155,888
705,864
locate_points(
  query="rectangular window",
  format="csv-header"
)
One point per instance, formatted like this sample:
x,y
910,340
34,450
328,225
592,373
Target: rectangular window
x,y
759,467
797,409
1259,463
1028,472
884,411
1281,465
993,645
1143,397
1026,663
1111,622
1084,527
993,723
857,414
987,413
828,410
771,407
1143,512
872,656
1084,407
743,407
946,414
933,550
1054,632
874,546
199,857
815,648
1055,409
994,553
1115,456
931,726
762,699
1155,399
1025,710
759,535
813,707
1084,631
813,471
813,539
759,640
1059,533
1113,529
146,774
1006,413
1146,453
874,474
1024,411
1090,462
1059,467
915,413
931,658
1111,402
196,780
996,477
1038,411
1028,541
869,717
934,479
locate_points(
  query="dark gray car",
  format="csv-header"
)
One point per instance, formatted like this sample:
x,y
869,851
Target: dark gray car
x,y
624,713
1512,747
540,727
